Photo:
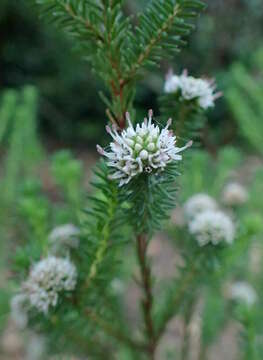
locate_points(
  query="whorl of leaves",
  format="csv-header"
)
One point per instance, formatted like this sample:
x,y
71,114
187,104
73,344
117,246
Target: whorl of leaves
x,y
102,224
149,199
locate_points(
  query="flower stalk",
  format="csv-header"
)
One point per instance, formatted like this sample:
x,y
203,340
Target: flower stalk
x,y
187,316
147,301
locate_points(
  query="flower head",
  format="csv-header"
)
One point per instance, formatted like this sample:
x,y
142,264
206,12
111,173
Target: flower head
x,y
198,203
243,292
212,226
47,279
64,236
191,88
234,194
143,148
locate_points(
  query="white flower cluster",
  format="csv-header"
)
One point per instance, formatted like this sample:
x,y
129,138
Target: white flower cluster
x,y
144,148
64,236
234,194
46,280
206,222
243,292
198,203
191,88
212,227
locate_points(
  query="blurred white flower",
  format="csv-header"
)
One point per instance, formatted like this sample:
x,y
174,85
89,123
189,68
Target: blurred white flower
x,y
144,148
64,236
192,88
234,194
47,279
212,227
198,203
244,292
117,286
18,307
172,83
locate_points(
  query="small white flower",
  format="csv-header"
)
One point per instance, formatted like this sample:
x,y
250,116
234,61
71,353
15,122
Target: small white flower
x,y
192,88
117,286
234,194
172,83
198,203
144,148
212,226
18,307
65,236
244,292
47,279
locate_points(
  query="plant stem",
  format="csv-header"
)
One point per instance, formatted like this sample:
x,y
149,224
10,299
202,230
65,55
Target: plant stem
x,y
250,348
147,301
116,85
188,314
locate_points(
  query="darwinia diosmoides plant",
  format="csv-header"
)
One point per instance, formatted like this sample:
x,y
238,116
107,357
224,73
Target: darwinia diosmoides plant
x,y
70,293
